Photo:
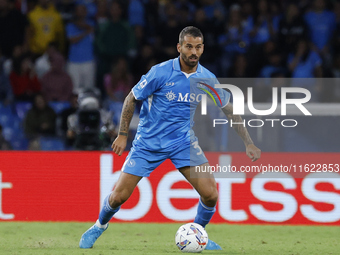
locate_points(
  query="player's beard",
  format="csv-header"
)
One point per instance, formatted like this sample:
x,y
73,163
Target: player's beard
x,y
188,62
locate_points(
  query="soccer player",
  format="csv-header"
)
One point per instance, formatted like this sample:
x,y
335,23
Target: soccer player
x,y
165,131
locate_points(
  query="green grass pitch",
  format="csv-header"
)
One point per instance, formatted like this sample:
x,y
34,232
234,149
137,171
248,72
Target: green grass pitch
x,y
135,238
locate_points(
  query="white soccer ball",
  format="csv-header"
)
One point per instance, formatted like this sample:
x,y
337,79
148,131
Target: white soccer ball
x,y
191,237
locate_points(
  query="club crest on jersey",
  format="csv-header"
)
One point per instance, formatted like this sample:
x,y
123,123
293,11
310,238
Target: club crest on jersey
x,y
170,96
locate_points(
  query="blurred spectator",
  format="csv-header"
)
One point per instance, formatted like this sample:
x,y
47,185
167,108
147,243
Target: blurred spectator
x,y
13,28
247,12
274,65
46,26
304,62
168,32
136,13
115,36
64,116
240,67
23,79
235,40
81,65
292,28
259,56
262,29
119,83
4,145
40,119
152,18
66,10
144,56
183,17
268,48
102,13
321,24
186,5
209,30
114,39
264,26
275,10
336,10
304,5
91,127
43,63
214,10
201,21
56,83
139,39
18,51
91,9
6,93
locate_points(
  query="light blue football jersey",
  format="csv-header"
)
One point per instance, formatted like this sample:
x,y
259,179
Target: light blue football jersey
x,y
170,98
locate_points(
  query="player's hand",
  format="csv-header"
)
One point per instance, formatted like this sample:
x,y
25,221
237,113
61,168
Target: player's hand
x,y
119,144
253,152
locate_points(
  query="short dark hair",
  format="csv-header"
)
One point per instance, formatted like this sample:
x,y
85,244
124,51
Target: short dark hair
x,y
190,31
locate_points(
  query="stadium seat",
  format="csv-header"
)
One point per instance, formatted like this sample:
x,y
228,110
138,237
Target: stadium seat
x,y
13,131
5,109
5,115
4,120
21,109
19,143
8,119
10,133
51,144
58,107
16,123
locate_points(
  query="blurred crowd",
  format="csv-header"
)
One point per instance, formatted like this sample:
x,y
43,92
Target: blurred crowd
x,y
57,50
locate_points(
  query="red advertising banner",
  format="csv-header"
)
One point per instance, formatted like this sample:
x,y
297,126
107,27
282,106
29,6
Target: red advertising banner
x,y
280,188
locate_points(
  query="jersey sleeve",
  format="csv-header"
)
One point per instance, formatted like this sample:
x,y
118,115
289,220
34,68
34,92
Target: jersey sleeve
x,y
147,85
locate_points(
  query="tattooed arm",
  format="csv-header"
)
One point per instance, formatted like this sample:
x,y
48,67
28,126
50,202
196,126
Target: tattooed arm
x,y
119,144
252,151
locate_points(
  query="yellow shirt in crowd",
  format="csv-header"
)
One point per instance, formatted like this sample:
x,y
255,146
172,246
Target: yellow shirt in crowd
x,y
46,26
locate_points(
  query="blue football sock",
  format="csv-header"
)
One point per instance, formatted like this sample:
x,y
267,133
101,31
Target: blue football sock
x,y
107,211
204,214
